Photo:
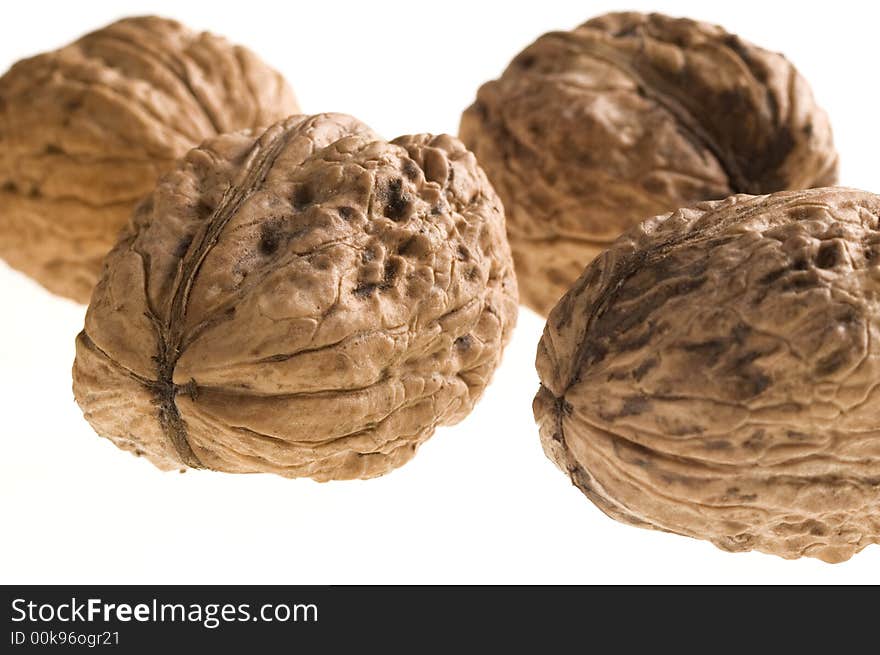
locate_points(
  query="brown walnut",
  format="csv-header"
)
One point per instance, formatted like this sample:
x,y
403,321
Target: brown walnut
x,y
628,116
312,301
716,373
86,130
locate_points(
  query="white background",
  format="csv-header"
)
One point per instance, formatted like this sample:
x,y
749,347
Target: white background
x,y
480,503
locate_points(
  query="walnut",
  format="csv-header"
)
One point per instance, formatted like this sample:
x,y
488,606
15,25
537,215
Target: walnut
x,y
590,131
714,374
86,130
312,302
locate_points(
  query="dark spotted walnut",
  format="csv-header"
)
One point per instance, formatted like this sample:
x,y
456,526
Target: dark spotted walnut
x,y
86,130
590,131
313,302
716,373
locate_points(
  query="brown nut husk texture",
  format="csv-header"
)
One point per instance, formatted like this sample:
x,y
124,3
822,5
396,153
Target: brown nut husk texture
x,y
86,130
628,116
716,373
313,301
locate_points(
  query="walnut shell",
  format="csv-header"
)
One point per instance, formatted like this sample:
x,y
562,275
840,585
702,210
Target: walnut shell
x,y
312,302
86,130
590,131
716,373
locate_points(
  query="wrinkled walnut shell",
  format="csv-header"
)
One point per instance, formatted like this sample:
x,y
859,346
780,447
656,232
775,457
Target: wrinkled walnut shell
x,y
312,302
590,131
716,373
86,130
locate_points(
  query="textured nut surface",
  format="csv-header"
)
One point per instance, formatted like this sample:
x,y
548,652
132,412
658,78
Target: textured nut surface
x,y
715,374
590,131
86,130
310,302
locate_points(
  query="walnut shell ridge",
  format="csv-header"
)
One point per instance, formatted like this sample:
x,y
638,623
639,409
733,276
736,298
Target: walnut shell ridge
x,y
86,130
628,116
312,301
716,373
